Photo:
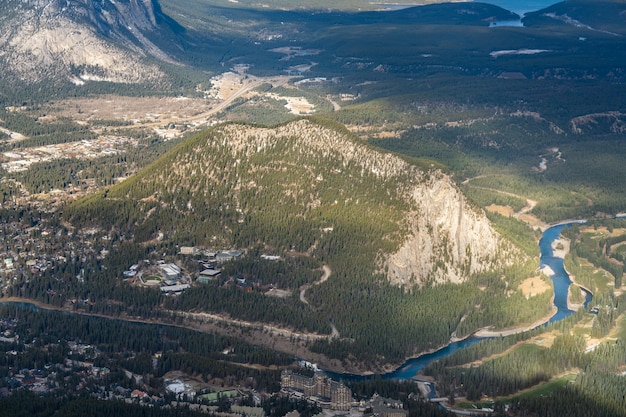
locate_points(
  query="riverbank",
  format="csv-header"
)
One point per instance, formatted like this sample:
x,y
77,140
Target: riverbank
x,y
560,247
556,243
259,334
485,333
297,344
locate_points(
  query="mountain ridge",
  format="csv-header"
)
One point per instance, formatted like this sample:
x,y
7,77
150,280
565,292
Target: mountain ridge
x,y
80,41
237,177
413,261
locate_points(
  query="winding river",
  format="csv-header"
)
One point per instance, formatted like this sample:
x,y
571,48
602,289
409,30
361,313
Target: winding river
x,y
561,282
560,279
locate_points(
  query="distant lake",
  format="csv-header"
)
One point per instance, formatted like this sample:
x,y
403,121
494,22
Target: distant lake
x,y
521,6
516,6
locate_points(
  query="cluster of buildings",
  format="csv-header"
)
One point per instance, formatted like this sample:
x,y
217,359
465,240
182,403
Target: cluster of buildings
x,y
333,395
166,275
213,259
26,249
170,277
76,372
35,380
53,377
219,256
386,407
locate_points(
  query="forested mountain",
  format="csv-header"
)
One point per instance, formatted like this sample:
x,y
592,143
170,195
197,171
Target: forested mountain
x,y
606,17
302,187
412,260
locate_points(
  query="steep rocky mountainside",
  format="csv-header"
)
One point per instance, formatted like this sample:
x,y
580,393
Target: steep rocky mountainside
x,y
83,40
397,243
447,238
307,188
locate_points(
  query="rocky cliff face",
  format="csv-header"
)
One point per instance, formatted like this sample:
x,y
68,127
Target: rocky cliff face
x,y
80,40
448,239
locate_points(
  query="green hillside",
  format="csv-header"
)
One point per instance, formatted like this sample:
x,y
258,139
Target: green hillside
x,y
437,83
594,16
313,190
206,192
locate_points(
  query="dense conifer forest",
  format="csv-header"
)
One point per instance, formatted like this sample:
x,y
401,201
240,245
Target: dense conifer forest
x,y
522,134
200,188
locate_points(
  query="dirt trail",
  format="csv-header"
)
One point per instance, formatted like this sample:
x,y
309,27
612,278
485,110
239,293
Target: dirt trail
x,y
205,318
305,287
13,136
336,106
524,213
530,204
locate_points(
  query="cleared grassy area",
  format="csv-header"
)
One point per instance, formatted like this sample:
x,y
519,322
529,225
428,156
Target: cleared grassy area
x,y
528,348
545,389
465,405
584,327
154,278
602,280
619,248
213,396
541,390
592,266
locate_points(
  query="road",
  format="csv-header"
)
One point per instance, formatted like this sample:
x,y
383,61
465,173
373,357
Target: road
x,y
266,328
192,317
13,136
251,84
523,214
305,287
327,271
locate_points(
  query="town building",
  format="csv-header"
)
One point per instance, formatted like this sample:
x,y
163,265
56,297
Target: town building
x,y
386,407
174,289
189,250
326,392
226,256
208,275
171,271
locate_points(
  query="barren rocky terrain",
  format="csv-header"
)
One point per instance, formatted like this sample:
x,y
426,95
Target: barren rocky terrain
x,y
51,39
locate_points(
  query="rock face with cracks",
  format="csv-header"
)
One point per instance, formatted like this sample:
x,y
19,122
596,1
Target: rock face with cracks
x,y
80,40
447,239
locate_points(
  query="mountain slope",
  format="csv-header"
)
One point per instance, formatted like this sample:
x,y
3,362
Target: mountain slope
x,y
307,188
607,17
412,261
82,40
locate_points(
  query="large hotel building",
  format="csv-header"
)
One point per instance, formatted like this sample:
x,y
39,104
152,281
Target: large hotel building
x,y
319,388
